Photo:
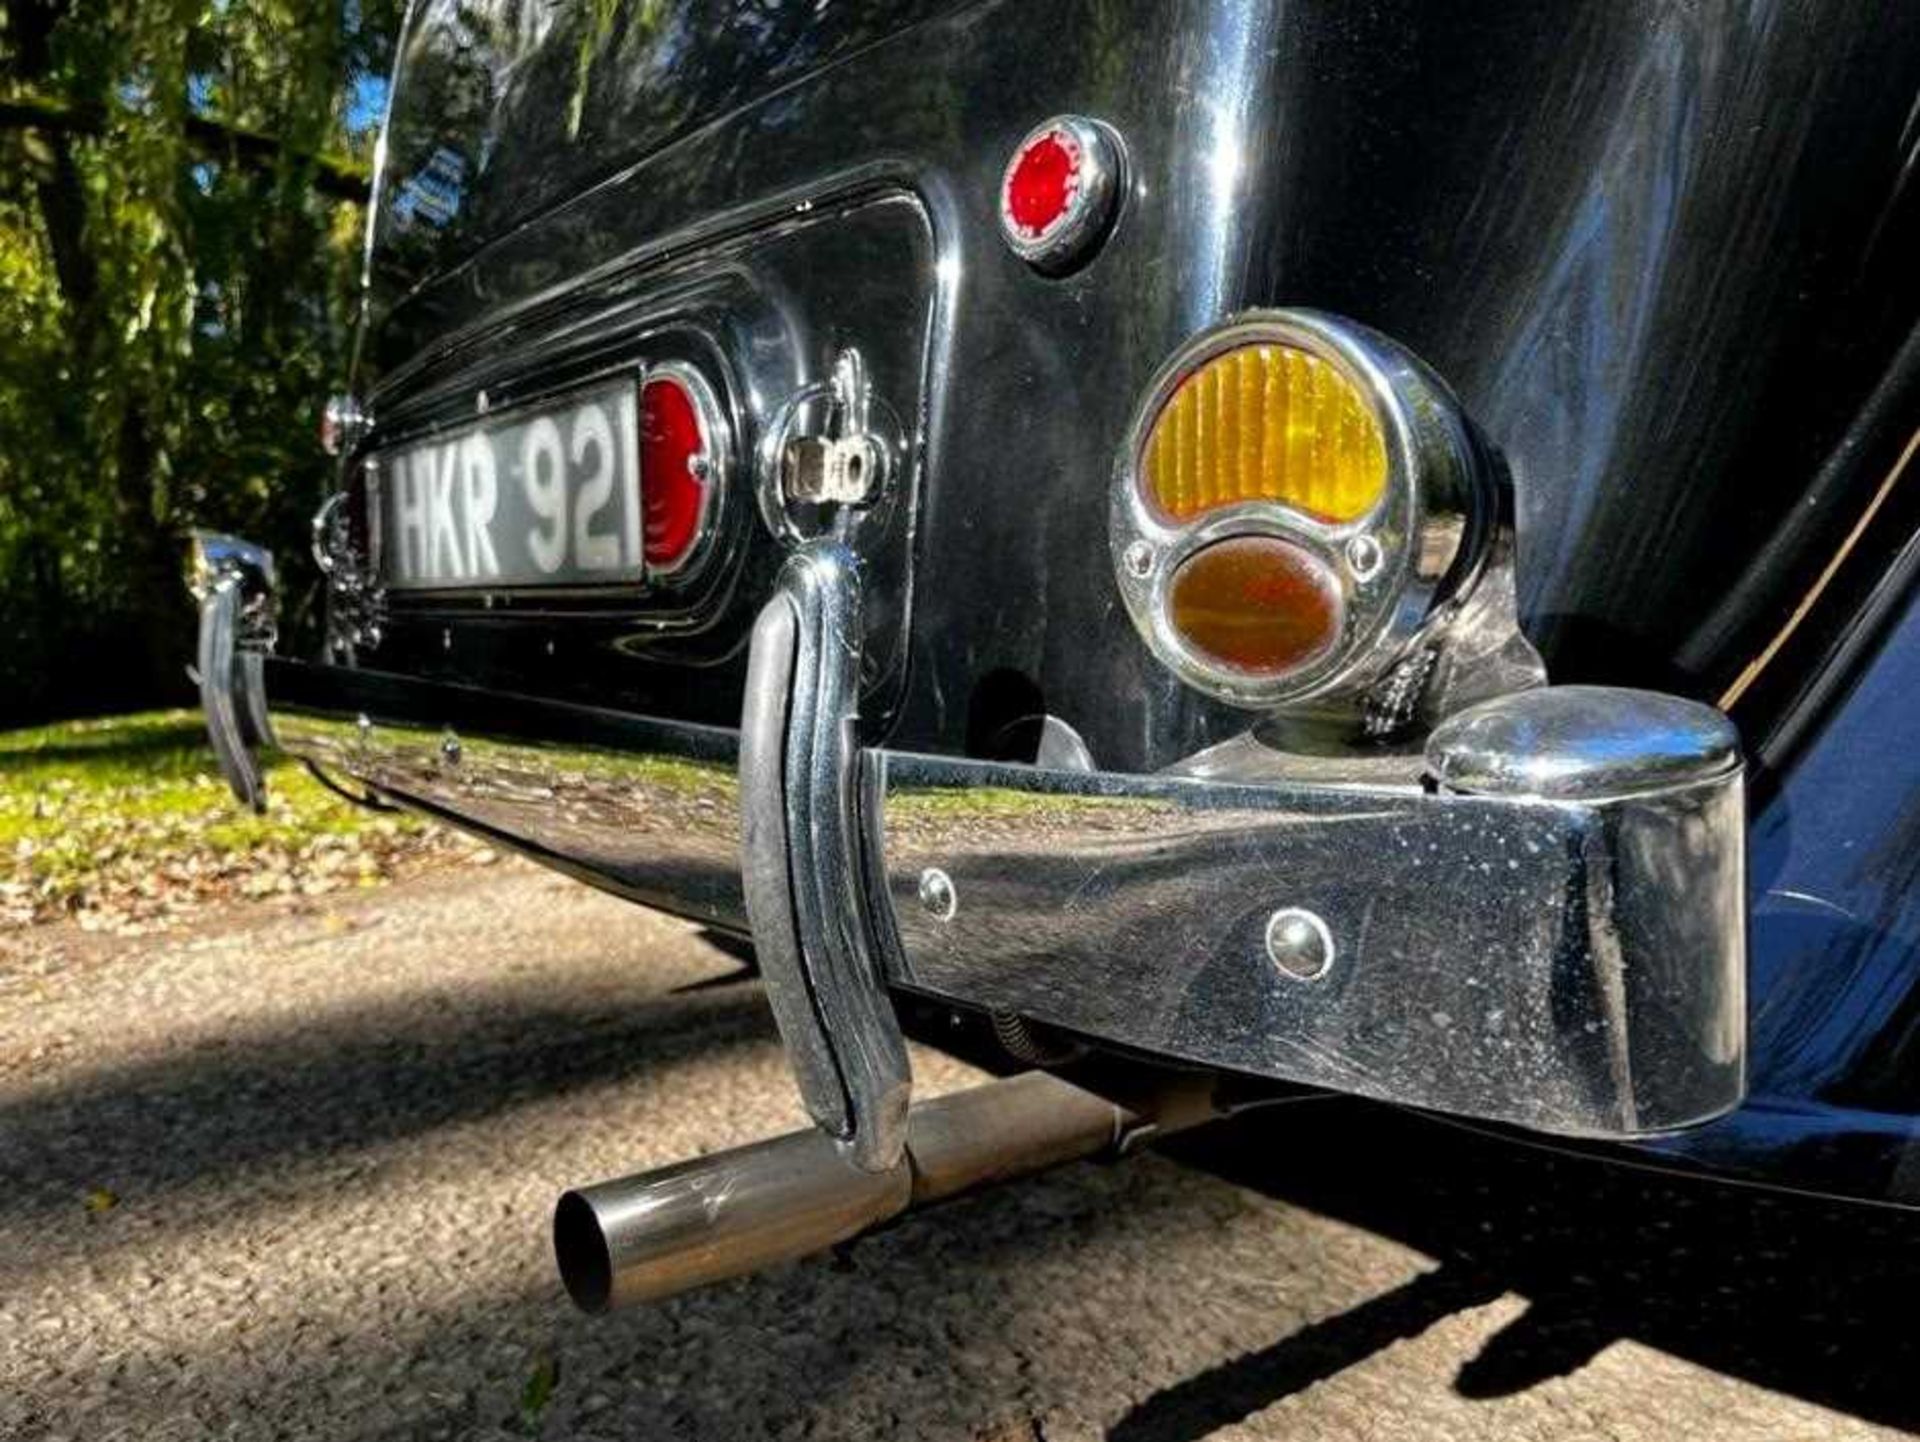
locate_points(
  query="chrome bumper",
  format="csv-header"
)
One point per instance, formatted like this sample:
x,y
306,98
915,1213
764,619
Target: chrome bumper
x,y
1573,963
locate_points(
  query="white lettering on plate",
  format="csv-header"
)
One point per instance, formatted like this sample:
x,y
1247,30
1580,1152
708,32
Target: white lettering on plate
x,y
479,495
410,515
444,560
593,440
543,478
457,505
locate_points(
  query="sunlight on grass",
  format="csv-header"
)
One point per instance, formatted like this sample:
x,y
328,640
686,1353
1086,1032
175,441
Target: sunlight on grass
x,y
125,819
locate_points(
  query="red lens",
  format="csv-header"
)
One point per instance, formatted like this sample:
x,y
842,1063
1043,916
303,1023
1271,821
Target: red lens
x,y
1041,183
1256,604
672,439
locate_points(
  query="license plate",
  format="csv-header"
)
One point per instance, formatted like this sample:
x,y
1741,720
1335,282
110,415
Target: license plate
x,y
543,496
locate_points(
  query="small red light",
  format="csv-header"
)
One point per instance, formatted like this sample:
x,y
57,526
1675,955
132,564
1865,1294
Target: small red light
x,y
1058,192
1041,182
673,476
342,423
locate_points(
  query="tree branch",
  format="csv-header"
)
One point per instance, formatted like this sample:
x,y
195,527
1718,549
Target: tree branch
x,y
332,175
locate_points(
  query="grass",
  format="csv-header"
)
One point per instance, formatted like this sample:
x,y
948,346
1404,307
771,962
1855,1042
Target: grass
x,y
126,817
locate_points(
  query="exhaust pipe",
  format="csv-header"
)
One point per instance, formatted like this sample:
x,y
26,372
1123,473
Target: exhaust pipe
x,y
658,1233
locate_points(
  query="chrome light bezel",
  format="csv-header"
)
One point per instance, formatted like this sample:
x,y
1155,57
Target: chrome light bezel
x,y
1395,567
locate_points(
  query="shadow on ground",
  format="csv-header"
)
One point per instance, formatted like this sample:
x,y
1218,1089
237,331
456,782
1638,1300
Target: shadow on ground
x,y
1809,1298
1795,1294
268,1099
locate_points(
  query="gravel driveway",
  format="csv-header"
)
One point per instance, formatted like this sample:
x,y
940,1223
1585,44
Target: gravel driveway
x,y
290,1177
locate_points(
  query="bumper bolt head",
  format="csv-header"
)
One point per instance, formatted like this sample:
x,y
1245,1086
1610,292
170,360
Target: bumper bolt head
x,y
1299,943
937,895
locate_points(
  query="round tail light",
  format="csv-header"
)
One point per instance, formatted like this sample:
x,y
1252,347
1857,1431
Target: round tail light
x,y
1298,501
1255,605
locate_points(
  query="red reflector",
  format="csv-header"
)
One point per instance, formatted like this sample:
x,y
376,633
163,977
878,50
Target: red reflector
x,y
673,477
1041,182
1058,191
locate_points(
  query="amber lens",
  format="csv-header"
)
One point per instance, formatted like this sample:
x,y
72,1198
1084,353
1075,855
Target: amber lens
x,y
1255,604
1267,423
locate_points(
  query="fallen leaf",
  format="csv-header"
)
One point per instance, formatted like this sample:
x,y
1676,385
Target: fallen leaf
x,y
538,1393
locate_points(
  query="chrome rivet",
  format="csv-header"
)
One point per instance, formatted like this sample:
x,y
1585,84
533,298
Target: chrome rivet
x,y
446,638
1138,559
450,749
549,648
937,895
1363,557
1299,943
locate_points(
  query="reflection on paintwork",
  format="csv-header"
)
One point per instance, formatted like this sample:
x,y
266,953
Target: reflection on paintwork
x,y
524,101
1658,252
1836,956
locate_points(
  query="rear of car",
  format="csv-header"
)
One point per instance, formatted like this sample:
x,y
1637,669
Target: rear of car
x,y
1058,511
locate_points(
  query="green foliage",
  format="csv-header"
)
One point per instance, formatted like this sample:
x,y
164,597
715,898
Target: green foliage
x,y
179,256
124,822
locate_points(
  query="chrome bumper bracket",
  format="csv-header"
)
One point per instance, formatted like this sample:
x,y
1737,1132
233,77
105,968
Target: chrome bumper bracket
x,y
802,864
233,581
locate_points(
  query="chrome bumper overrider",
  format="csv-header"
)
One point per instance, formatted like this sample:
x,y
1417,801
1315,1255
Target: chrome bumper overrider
x,y
1515,931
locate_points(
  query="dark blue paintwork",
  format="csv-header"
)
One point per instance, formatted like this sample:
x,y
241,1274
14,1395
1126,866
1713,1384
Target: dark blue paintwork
x,y
1834,986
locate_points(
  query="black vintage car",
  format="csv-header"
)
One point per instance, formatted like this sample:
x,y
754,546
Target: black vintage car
x,y
1201,548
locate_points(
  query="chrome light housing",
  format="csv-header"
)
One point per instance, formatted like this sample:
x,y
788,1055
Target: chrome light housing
x,y
1391,557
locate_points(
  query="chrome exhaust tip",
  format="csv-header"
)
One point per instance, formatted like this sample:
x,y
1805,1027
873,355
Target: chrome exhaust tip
x,y
655,1234
658,1233
580,1247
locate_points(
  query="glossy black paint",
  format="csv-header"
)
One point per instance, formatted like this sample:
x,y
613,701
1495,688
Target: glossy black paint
x,y
1661,250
